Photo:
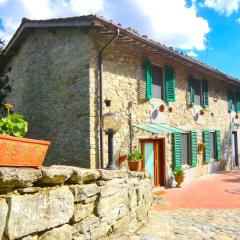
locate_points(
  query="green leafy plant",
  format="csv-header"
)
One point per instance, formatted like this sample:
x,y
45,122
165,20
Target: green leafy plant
x,y
178,172
135,156
13,124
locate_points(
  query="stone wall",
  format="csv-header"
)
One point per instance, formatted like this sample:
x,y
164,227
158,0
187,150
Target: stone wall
x,y
50,87
63,202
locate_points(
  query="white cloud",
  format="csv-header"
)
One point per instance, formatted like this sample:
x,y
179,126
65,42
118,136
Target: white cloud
x,y
44,9
3,1
192,54
10,25
175,24
238,20
171,22
226,7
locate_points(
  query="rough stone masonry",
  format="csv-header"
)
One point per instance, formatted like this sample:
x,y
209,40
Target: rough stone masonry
x,y
63,202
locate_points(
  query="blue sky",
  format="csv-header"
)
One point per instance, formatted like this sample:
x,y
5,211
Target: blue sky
x,y
208,30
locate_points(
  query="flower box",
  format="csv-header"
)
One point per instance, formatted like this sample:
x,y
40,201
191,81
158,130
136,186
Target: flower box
x,y
22,152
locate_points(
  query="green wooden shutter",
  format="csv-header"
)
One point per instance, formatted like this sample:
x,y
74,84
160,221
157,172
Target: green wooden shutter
x,y
230,101
170,83
238,102
191,90
194,148
148,78
177,148
206,140
218,140
205,93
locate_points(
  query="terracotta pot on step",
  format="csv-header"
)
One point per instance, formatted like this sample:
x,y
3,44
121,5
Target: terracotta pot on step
x,y
22,152
179,179
122,161
135,165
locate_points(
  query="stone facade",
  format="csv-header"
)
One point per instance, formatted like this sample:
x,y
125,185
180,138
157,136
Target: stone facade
x,y
124,84
50,87
84,204
55,86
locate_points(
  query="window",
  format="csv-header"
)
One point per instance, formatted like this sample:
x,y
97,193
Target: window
x,y
198,92
157,82
185,149
213,145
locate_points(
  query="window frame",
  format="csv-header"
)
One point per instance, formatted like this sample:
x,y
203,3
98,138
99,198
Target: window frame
x,y
201,90
213,159
188,163
163,90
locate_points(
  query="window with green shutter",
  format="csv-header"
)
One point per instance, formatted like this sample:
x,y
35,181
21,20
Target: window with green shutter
x,y
194,148
230,101
177,149
148,78
205,93
218,145
206,140
198,92
238,102
170,84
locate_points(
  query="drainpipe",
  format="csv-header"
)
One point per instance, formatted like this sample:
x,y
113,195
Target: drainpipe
x,y
100,69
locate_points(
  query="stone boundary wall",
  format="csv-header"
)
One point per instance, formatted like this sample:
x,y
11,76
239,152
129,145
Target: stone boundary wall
x,y
63,202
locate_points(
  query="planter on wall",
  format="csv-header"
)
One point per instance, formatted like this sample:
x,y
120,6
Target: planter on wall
x,y
22,152
135,165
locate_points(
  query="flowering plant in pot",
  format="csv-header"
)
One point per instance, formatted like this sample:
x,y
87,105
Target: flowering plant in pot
x,y
162,108
179,176
14,149
135,160
202,111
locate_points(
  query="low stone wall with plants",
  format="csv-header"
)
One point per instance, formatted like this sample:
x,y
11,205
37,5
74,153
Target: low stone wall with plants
x,y
63,202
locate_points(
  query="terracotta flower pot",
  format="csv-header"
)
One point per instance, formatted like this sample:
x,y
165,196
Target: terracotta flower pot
x,y
16,151
122,161
202,112
135,165
179,179
161,108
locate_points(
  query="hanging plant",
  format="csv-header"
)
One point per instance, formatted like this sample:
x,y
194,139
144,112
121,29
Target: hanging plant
x,y
202,111
162,108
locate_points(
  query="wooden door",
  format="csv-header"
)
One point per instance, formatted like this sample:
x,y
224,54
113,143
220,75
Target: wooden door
x,y
154,160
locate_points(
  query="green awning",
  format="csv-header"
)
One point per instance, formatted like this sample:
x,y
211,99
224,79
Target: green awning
x,y
159,128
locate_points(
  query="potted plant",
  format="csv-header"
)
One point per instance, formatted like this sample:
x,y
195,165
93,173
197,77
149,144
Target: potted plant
x,y
179,176
14,149
202,111
135,161
161,108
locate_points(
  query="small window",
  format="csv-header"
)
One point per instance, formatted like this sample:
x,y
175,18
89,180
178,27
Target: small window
x,y
197,92
213,145
234,103
185,149
157,82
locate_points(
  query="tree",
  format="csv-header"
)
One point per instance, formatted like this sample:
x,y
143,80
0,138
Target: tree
x,y
5,88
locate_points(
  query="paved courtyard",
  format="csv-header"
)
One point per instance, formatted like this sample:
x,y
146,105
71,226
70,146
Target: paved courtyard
x,y
208,208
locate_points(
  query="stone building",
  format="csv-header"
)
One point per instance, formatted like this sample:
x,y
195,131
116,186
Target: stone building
x,y
169,103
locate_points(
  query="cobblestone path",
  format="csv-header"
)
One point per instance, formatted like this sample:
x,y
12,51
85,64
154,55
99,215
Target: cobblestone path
x,y
220,224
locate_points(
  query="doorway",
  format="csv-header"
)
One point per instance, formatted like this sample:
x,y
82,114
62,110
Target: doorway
x,y
235,148
153,151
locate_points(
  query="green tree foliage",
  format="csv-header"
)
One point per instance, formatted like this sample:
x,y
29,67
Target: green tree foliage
x,y
5,88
